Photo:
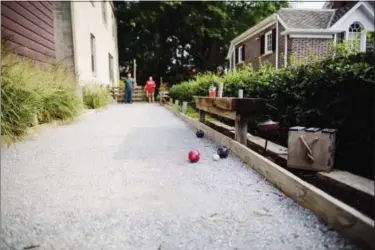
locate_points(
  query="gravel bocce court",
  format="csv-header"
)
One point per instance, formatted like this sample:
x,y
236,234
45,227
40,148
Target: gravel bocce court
x,y
120,179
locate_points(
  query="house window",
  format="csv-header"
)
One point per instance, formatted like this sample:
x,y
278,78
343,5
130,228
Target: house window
x,y
104,12
268,42
93,54
110,63
93,3
240,54
355,35
113,26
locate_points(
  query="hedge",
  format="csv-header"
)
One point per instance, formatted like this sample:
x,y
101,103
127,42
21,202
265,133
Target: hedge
x,y
337,93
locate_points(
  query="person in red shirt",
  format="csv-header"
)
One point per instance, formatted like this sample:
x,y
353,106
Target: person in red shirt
x,y
150,89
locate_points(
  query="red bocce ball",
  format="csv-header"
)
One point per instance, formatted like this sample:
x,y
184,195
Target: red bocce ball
x,y
194,156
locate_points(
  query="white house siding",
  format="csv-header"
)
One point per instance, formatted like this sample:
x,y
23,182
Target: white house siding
x,y
87,18
359,15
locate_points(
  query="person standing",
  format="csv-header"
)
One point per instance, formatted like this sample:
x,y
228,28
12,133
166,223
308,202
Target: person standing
x,y
129,86
150,89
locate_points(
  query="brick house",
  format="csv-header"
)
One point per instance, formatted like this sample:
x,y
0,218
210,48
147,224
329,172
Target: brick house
x,y
82,35
298,32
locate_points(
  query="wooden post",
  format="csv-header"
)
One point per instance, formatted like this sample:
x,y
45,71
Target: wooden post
x,y
135,72
202,116
240,130
240,93
220,89
184,107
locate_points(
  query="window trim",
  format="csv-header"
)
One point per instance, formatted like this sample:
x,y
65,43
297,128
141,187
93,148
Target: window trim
x,y
359,35
93,54
113,25
111,71
104,13
266,51
239,51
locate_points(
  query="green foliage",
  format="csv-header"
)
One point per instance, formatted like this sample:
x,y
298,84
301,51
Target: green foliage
x,y
337,93
121,84
198,86
157,33
33,94
96,96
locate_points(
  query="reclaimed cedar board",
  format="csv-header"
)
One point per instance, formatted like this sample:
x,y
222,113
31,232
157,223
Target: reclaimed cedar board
x,y
241,106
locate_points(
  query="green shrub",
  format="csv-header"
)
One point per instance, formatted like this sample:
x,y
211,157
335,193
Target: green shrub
x,y
121,84
96,96
199,86
336,93
32,94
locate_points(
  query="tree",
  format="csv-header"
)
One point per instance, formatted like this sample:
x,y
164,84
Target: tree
x,y
165,37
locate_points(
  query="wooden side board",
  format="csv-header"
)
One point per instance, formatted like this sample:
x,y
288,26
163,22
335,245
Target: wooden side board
x,y
218,106
335,213
224,105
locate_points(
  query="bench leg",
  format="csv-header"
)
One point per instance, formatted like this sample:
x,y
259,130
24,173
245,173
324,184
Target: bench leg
x,y
241,130
202,116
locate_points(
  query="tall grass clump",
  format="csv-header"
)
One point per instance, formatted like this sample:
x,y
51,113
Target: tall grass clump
x,y
96,96
33,94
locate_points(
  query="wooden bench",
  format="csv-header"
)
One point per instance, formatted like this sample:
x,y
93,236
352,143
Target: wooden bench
x,y
241,110
163,97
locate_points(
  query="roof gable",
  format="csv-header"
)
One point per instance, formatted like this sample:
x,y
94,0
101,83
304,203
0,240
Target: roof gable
x,y
361,12
341,12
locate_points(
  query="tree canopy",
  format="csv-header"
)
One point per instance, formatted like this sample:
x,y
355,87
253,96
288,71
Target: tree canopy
x,y
167,37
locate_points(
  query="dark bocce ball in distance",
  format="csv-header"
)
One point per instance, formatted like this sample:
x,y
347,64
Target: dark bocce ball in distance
x,y
223,152
200,134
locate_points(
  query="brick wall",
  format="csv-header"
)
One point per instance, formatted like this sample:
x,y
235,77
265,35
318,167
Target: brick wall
x,y
252,50
28,28
302,48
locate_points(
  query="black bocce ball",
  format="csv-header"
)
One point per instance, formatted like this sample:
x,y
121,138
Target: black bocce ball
x,y
200,134
223,152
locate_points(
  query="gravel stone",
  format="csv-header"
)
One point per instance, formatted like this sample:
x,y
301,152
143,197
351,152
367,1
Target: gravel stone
x,y
120,179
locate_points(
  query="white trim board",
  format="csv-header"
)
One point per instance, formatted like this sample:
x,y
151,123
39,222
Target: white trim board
x,y
296,35
256,28
277,44
311,31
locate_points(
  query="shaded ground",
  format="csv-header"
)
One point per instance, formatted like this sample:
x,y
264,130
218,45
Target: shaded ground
x,y
119,179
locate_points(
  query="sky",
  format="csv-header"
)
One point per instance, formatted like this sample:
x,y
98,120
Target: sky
x,y
308,4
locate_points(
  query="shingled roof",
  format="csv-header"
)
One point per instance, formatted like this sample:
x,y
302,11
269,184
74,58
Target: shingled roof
x,y
342,11
306,19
